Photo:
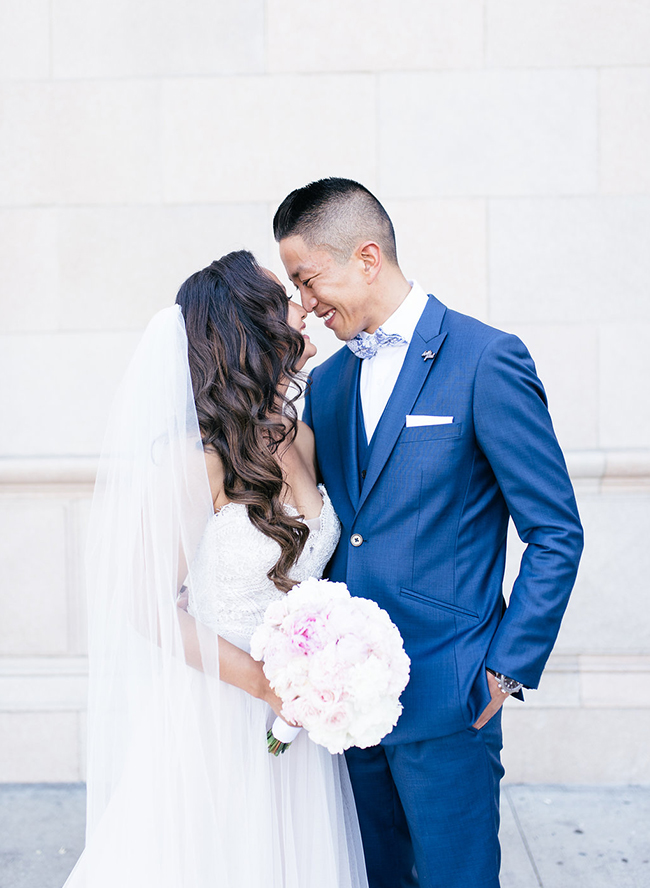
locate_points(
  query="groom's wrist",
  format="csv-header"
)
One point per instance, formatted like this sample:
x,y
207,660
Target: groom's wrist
x,y
507,685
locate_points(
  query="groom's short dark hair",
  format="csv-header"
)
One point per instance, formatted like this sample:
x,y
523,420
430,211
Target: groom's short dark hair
x,y
336,215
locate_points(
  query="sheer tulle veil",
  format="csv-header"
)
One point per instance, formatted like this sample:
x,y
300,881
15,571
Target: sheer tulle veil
x,y
182,792
152,758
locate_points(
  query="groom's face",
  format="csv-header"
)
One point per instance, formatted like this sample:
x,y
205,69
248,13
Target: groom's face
x,y
336,292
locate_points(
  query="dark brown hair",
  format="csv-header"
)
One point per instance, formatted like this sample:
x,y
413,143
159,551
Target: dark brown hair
x,y
242,351
335,214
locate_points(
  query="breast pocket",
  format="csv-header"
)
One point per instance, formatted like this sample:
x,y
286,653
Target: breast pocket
x,y
445,607
416,434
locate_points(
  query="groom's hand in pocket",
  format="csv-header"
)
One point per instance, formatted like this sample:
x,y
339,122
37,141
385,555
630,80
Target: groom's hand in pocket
x,y
495,704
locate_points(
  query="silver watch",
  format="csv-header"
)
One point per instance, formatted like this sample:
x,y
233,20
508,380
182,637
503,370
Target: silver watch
x,y
506,685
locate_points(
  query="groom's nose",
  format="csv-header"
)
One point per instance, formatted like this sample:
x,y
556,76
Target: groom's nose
x,y
309,301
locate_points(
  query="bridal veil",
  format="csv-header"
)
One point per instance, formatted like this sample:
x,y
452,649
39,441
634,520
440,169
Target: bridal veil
x,y
181,791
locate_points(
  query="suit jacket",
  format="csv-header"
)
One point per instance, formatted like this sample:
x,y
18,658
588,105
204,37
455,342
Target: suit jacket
x,y
433,512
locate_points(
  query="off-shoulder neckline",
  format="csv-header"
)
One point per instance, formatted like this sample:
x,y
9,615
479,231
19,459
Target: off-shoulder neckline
x,y
287,506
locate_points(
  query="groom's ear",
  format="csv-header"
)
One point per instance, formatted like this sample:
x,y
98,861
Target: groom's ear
x,y
369,255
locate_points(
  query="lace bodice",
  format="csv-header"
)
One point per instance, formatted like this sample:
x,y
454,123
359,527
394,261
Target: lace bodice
x,y
230,590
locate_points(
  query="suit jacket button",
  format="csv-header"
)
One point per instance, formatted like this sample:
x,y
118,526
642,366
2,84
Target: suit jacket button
x,y
356,539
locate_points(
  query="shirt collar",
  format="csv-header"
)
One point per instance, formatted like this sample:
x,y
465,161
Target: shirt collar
x,y
405,318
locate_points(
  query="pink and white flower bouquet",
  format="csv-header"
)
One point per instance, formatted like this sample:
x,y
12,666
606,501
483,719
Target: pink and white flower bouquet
x,y
337,662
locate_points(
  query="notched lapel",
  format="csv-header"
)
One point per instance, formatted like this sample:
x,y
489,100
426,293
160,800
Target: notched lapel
x,y
413,375
346,421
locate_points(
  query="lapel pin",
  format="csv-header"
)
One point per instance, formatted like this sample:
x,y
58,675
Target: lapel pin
x,y
428,355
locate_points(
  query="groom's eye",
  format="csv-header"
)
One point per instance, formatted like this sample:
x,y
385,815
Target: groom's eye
x,y
307,282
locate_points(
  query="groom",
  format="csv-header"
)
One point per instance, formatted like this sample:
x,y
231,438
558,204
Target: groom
x,y
431,430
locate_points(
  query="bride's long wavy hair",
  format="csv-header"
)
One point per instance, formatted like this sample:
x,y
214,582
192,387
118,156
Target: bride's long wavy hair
x,y
242,352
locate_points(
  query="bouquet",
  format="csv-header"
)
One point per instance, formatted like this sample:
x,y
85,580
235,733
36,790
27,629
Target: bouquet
x,y
337,662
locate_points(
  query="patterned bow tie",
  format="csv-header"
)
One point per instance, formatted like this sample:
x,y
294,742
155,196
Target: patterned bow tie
x,y
366,345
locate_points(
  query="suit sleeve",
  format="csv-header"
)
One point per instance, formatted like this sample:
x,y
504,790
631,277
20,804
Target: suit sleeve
x,y
514,431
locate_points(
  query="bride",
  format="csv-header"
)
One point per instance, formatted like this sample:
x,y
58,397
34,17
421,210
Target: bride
x,y
207,487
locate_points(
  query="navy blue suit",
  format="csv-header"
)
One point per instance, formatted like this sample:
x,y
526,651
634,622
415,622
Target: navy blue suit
x,y
432,508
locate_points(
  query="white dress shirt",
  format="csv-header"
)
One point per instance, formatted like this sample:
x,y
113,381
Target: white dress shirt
x,y
379,374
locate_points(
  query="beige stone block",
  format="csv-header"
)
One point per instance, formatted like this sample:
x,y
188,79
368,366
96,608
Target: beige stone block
x,y
625,130
201,37
34,609
466,133
608,610
59,403
610,32
514,550
576,746
90,142
119,265
157,38
78,520
43,684
627,471
442,245
557,689
587,468
39,747
106,142
566,357
29,272
249,145
566,261
374,35
24,39
27,144
102,39
627,690
64,475
625,369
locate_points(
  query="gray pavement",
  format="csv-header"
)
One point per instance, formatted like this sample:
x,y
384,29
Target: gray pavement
x,y
552,836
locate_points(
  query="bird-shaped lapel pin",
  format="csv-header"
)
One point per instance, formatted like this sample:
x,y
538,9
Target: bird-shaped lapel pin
x,y
428,355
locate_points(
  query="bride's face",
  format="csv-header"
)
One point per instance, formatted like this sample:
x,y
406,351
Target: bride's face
x,y
296,315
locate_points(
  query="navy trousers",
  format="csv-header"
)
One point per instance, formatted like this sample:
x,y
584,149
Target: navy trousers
x,y
429,810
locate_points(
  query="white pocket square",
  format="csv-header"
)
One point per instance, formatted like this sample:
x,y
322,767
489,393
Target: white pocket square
x,y
422,420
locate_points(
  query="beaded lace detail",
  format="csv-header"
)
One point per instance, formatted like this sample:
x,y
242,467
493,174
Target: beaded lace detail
x,y
230,589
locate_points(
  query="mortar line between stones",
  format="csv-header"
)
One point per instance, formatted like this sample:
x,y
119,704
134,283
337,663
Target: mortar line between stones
x,y
520,830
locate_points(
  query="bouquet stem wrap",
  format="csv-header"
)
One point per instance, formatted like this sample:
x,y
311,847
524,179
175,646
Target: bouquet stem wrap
x,y
281,736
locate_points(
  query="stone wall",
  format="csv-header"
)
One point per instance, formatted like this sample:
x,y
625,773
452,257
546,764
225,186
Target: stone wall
x,y
508,141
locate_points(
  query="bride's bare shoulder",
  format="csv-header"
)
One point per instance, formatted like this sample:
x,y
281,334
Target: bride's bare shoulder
x,y
305,445
214,466
305,437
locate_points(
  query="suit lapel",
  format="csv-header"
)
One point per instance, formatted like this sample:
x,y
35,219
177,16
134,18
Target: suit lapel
x,y
427,337
346,421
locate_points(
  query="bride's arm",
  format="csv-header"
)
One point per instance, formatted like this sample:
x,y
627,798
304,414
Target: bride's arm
x,y
236,667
